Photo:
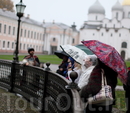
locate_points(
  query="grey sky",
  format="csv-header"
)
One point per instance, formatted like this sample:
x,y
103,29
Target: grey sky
x,y
63,11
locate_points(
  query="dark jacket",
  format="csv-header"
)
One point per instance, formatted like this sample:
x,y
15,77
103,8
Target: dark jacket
x,y
33,58
63,65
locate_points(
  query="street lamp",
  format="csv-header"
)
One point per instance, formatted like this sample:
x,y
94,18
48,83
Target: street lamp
x,y
20,11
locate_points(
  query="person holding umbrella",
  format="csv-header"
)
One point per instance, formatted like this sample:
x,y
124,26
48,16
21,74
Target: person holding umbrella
x,y
94,86
113,65
87,67
63,66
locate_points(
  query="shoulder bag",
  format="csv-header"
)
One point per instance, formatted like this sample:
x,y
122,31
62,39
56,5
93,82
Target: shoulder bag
x,y
104,96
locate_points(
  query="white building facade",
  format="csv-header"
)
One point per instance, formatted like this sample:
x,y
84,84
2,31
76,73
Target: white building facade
x,y
43,37
115,31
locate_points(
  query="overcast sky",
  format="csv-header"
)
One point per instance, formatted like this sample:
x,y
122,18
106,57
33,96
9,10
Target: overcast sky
x,y
63,11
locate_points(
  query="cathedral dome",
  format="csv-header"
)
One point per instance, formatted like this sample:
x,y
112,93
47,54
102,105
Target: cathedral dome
x,y
117,6
126,2
96,8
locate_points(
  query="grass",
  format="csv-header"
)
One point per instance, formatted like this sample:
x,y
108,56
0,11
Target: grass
x,y
128,63
53,59
120,101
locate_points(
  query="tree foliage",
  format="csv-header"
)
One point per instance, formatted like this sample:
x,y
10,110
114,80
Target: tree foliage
x,y
7,4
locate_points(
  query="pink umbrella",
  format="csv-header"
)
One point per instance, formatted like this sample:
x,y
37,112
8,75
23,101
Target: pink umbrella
x,y
108,55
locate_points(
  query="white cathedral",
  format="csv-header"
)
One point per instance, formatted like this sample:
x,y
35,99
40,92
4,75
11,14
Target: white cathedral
x,y
115,31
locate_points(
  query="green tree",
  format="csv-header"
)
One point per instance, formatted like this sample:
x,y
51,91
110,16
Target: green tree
x,y
7,4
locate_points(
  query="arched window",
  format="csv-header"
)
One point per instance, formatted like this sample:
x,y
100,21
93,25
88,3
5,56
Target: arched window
x,y
31,34
96,17
37,35
24,33
3,44
24,46
54,39
73,40
123,54
8,45
129,15
116,15
27,46
20,46
124,45
36,48
12,45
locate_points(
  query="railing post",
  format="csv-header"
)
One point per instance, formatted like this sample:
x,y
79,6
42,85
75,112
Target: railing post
x,y
47,69
47,64
12,78
78,104
73,85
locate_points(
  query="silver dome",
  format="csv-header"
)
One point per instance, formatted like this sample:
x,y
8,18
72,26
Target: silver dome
x,y
96,8
117,6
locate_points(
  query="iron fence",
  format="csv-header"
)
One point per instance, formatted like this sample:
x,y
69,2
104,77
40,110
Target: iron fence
x,y
45,89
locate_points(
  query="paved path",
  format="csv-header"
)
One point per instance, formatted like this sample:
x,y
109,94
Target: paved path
x,y
53,67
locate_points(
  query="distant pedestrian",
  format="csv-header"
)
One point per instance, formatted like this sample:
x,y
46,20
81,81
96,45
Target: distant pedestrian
x,y
32,59
28,76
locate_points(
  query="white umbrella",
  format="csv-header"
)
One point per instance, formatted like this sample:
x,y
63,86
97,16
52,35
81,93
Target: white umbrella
x,y
77,54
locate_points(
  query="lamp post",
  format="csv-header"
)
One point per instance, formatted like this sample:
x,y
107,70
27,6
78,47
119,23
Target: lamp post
x,y
20,11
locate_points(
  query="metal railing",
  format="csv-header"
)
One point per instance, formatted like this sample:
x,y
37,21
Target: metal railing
x,y
43,88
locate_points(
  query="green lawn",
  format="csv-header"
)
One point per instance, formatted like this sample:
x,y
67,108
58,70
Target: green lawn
x,y
120,101
53,59
128,63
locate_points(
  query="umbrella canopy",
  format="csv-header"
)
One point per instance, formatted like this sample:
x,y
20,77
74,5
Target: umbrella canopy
x,y
108,55
77,54
85,49
60,54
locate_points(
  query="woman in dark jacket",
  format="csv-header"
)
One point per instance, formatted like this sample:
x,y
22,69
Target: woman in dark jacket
x,y
94,86
63,66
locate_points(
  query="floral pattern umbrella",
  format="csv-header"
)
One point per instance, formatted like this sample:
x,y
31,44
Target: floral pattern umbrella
x,y
108,55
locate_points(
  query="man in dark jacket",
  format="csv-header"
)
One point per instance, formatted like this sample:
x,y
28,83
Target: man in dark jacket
x,y
31,58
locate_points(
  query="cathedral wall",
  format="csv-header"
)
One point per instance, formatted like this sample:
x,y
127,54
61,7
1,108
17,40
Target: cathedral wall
x,y
95,17
125,23
117,14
